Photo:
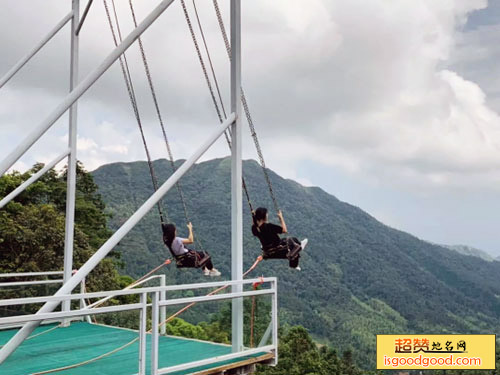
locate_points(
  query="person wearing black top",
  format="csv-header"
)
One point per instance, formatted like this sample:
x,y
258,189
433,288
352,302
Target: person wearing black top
x,y
273,246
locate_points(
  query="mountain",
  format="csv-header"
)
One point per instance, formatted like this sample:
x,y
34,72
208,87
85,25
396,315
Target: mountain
x,y
472,251
359,277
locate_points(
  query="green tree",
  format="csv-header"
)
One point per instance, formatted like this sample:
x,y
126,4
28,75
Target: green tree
x,y
299,355
32,228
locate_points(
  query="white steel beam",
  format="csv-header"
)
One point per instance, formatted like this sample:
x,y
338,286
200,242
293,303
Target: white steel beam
x,y
34,282
35,49
236,178
81,89
33,179
71,172
142,333
154,332
163,310
26,274
68,314
126,292
84,16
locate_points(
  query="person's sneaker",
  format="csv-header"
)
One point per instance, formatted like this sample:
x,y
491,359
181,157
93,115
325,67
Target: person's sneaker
x,y
206,272
214,272
298,268
303,243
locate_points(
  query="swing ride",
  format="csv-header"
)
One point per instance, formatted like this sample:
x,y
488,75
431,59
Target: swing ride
x,y
108,350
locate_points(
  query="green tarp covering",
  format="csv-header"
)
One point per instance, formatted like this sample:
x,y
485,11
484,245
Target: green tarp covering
x,y
83,341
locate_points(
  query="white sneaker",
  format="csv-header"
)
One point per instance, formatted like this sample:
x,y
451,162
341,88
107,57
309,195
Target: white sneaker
x,y
303,243
214,272
206,272
298,268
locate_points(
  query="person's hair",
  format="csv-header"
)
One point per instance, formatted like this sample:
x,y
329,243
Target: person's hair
x,y
168,234
260,214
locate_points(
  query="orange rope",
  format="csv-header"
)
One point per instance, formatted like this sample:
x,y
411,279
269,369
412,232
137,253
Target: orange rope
x,y
252,316
259,259
167,262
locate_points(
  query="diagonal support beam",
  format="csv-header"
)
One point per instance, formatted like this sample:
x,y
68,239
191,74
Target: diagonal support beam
x,y
33,179
81,88
84,16
28,328
12,72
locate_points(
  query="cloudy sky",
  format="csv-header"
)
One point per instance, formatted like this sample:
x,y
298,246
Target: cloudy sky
x,y
391,105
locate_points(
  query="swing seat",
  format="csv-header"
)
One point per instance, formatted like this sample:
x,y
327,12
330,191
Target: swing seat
x,y
274,252
192,259
281,251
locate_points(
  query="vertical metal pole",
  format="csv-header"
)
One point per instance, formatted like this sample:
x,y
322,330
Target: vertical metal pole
x,y
163,309
142,334
274,312
83,304
71,175
154,334
82,290
236,178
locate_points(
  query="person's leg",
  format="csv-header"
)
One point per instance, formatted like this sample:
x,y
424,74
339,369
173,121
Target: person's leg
x,y
201,255
294,263
293,247
293,242
209,265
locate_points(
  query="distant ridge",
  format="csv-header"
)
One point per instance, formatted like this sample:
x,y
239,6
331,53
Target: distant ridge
x,y
469,250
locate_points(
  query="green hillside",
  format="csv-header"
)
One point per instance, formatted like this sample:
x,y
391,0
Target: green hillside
x,y
360,277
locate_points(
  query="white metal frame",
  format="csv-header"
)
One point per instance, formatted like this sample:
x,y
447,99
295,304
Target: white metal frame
x,y
30,274
71,175
236,176
5,284
159,302
70,102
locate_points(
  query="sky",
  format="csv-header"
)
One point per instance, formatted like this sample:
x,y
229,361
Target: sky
x,y
392,106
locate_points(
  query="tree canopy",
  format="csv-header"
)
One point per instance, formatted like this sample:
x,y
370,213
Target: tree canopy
x,y
32,228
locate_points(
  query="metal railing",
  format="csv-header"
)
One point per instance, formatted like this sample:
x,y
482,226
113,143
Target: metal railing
x,y
30,282
8,284
159,302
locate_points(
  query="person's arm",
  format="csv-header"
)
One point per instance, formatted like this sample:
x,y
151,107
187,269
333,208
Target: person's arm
x,y
282,221
190,239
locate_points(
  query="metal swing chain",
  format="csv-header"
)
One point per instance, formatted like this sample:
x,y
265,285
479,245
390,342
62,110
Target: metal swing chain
x,y
246,109
209,84
214,76
203,66
131,93
158,112
160,119
209,59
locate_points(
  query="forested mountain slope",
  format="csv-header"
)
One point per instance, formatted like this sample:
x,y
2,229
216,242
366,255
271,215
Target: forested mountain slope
x,y
360,277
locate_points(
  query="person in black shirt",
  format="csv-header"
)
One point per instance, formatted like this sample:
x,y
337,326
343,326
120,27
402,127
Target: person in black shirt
x,y
273,246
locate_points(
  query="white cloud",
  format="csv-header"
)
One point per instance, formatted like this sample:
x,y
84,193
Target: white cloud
x,y
86,144
115,149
